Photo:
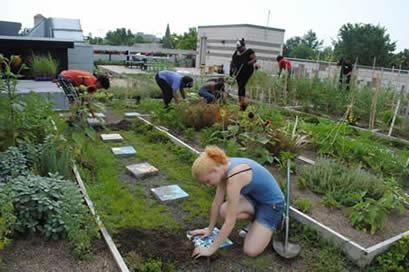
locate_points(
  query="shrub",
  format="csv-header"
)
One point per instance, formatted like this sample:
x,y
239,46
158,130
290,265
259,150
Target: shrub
x,y
199,115
52,207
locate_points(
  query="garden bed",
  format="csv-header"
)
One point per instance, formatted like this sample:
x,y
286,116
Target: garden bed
x,y
36,254
338,222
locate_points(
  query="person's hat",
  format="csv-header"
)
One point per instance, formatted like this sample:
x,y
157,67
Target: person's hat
x,y
240,43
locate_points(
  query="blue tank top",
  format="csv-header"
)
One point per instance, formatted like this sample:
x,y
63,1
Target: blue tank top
x,y
263,188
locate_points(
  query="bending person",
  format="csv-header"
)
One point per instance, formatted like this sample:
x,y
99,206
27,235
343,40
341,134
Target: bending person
x,y
170,82
251,193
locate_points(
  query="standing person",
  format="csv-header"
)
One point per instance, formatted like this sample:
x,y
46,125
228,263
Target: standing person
x,y
345,73
170,82
251,192
283,64
242,68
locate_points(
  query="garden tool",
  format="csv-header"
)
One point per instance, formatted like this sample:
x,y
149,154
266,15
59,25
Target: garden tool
x,y
286,249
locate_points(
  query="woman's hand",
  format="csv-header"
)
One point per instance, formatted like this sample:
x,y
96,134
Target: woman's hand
x,y
203,252
202,232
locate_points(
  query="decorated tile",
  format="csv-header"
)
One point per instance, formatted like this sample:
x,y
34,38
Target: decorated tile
x,y
170,192
208,240
111,137
123,151
142,169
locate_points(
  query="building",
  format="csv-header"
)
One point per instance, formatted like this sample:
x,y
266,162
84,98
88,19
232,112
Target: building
x,y
80,56
9,28
217,43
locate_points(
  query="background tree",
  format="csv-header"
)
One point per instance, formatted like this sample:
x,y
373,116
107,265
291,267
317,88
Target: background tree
x,y
188,40
400,60
167,39
365,41
120,36
305,47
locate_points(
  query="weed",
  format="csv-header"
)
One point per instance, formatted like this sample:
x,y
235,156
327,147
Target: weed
x,y
303,205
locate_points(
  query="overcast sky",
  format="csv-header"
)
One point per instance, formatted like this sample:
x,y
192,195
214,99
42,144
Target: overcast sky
x,y
151,16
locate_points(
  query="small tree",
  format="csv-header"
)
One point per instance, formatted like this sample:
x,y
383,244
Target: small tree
x,y
167,39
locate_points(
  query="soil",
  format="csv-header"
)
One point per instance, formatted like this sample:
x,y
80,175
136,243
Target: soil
x,y
36,254
174,247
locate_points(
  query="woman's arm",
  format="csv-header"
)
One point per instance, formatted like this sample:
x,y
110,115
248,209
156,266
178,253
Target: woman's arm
x,y
233,194
253,59
217,202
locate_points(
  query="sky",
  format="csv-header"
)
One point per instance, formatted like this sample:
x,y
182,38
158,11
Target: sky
x,y
151,16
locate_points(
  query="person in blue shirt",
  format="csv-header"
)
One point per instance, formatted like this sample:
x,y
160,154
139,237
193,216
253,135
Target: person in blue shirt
x,y
170,82
251,192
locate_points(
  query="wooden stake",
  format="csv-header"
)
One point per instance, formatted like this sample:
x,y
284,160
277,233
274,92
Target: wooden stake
x,y
396,111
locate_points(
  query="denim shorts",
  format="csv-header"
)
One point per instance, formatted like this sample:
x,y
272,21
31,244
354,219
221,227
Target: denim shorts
x,y
270,215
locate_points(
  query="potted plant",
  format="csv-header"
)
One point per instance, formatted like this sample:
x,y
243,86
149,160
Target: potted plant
x,y
43,68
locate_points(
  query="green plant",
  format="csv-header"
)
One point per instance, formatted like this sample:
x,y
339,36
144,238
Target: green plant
x,y
138,264
330,202
52,207
10,105
43,66
303,205
397,258
13,163
370,215
7,216
79,224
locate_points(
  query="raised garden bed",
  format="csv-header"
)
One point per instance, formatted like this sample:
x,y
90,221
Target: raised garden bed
x,y
361,247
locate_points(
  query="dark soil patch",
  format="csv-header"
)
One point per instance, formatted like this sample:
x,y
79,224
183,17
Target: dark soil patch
x,y
121,125
155,243
36,254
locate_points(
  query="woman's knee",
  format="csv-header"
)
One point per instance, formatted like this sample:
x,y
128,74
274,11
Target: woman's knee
x,y
251,251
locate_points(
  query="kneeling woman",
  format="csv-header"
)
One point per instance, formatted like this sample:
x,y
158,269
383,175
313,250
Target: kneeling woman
x,y
251,192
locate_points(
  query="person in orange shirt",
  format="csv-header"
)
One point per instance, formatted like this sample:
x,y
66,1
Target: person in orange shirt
x,y
89,80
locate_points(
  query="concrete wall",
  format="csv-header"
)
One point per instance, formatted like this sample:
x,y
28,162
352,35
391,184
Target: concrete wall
x,y
391,78
81,57
221,43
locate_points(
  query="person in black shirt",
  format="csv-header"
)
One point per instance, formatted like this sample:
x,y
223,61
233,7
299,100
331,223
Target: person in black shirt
x,y
346,72
241,68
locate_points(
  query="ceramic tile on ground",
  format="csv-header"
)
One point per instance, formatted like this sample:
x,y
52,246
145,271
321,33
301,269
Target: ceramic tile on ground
x,y
170,192
141,169
123,151
111,137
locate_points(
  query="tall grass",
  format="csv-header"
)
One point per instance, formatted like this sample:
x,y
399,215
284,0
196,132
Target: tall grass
x,y
42,66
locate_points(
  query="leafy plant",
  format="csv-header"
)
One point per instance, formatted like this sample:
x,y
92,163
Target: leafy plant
x,y
139,264
370,215
79,224
13,163
52,207
7,216
330,202
303,205
397,258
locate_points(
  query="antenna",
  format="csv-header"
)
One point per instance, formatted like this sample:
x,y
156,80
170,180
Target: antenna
x,y
268,18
